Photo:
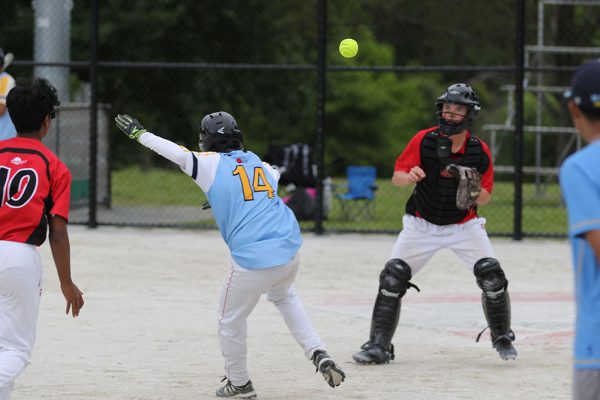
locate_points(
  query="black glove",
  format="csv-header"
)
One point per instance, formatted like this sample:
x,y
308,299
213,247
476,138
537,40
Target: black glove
x,y
130,126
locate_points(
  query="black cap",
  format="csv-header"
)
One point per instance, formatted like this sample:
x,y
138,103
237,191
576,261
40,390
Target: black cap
x,y
585,87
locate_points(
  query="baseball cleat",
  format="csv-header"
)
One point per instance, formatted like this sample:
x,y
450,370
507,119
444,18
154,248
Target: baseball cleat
x,y
331,372
240,392
374,354
505,348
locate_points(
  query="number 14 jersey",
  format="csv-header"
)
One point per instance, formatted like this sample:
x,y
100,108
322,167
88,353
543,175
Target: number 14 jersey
x,y
260,230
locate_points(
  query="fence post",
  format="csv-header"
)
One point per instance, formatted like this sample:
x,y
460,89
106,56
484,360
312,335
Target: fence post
x,y
93,198
321,82
519,78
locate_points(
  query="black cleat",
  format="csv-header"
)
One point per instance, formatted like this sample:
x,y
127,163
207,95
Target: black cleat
x,y
331,372
241,392
374,354
503,344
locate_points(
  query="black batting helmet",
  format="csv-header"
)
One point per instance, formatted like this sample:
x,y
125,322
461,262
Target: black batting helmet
x,y
459,93
219,132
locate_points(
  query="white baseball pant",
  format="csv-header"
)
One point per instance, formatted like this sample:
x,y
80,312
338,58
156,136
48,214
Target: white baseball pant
x,y
240,293
419,240
20,290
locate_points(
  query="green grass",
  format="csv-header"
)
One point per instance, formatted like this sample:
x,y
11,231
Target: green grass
x,y
168,187
543,213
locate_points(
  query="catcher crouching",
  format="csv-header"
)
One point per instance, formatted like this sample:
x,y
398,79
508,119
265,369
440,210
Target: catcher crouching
x,y
453,173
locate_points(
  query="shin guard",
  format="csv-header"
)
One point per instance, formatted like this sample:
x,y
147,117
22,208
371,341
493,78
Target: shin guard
x,y
393,283
495,299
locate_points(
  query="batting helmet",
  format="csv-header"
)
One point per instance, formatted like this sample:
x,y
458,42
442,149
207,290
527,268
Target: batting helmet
x,y
458,93
219,132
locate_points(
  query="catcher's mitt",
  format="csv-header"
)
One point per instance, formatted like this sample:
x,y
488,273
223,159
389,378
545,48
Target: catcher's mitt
x,y
469,185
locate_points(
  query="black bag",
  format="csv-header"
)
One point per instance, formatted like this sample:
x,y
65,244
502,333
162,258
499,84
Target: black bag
x,y
302,204
297,160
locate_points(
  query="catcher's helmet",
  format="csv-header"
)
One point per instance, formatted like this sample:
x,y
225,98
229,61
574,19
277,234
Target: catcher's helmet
x,y
219,132
459,93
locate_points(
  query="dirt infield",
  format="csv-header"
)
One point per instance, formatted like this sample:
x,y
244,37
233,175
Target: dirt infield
x,y
148,329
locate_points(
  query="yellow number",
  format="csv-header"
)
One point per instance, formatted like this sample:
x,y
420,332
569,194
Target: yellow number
x,y
259,176
260,182
241,172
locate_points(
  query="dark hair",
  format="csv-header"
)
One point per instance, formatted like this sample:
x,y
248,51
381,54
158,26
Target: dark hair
x,y
591,114
29,103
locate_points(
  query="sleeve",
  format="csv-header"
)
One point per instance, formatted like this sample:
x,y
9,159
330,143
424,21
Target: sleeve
x,y
61,191
581,197
201,167
169,150
487,179
274,171
411,156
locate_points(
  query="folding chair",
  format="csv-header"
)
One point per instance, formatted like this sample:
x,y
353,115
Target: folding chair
x,y
357,203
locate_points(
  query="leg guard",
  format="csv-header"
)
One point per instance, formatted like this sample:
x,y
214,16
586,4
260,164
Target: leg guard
x,y
393,283
496,304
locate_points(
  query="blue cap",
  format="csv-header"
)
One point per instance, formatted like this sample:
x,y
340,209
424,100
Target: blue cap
x,y
585,87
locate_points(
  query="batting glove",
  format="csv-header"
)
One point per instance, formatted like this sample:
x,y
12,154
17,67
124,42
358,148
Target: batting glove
x,y
130,126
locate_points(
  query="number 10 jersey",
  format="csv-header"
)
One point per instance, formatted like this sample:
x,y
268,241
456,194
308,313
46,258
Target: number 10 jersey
x,y
34,183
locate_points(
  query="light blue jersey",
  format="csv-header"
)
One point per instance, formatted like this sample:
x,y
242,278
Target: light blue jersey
x,y
580,184
260,230
7,129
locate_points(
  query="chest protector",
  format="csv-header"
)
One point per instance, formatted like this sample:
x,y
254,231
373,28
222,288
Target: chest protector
x,y
434,198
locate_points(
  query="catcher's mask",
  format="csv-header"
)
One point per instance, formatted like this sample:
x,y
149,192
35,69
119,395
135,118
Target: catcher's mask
x,y
458,93
219,132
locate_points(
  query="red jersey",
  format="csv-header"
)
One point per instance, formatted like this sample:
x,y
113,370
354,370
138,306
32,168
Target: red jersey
x,y
34,183
411,157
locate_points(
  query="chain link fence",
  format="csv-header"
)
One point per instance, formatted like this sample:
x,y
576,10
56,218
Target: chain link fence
x,y
276,67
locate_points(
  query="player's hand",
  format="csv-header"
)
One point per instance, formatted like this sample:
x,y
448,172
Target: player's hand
x,y
130,126
74,298
416,174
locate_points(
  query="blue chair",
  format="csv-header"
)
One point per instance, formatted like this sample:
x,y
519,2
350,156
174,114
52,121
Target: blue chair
x,y
357,202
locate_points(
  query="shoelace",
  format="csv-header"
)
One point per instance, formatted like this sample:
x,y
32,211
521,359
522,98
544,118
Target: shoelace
x,y
413,286
510,335
480,333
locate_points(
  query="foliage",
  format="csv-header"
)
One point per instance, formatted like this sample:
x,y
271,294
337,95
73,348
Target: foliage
x,y
257,59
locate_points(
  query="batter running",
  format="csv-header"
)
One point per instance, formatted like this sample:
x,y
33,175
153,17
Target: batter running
x,y
263,237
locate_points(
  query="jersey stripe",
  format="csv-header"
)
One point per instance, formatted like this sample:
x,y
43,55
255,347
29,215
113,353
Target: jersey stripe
x,y
29,151
194,166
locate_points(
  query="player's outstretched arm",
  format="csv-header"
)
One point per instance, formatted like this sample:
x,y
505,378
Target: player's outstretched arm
x,y
169,150
61,252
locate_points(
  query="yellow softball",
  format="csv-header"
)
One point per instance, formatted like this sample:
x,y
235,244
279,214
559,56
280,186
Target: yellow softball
x,y
348,48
